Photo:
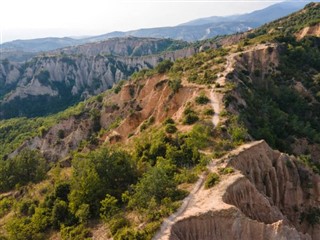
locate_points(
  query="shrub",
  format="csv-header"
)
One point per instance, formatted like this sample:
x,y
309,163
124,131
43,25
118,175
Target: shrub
x,y
43,77
170,128
83,213
185,176
212,179
59,212
22,229
155,184
99,98
175,85
5,206
202,99
312,216
95,117
190,118
108,207
147,123
128,233
226,170
61,133
117,88
168,121
164,66
26,207
28,166
208,112
116,223
75,233
257,73
62,190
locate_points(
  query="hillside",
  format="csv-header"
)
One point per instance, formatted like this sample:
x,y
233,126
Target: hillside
x,y
53,81
187,150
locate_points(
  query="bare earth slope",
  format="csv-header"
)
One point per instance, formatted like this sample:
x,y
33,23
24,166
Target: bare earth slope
x,y
261,200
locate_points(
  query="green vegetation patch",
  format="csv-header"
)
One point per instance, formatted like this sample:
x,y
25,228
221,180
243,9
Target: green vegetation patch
x,y
212,180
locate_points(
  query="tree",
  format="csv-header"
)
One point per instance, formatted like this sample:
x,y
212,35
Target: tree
x,y
164,66
27,166
99,173
156,183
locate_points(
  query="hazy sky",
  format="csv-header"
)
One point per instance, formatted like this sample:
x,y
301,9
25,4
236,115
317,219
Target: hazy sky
x,y
23,19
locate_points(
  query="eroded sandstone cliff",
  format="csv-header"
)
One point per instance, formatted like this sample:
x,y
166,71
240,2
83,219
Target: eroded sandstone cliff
x,y
267,197
53,81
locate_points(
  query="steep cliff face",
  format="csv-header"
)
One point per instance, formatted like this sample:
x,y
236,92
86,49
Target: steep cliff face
x,y
9,75
270,196
57,142
289,187
127,46
50,83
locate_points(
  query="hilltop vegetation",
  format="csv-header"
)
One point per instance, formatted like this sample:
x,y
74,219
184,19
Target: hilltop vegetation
x,y
282,105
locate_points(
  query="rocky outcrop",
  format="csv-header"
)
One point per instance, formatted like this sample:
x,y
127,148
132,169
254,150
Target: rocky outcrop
x,y
57,142
258,63
125,47
230,224
309,31
120,115
287,185
268,197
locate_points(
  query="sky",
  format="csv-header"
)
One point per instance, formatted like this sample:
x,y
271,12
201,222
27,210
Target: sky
x,y
27,19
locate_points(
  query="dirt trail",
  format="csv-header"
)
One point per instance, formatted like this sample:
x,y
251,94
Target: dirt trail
x,y
215,94
216,102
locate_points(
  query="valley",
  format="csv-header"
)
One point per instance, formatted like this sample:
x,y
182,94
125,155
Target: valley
x,y
145,138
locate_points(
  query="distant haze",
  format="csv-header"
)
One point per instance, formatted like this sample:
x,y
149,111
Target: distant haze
x,y
21,19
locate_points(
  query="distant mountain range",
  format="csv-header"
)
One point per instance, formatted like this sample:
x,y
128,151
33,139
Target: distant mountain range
x,y
198,29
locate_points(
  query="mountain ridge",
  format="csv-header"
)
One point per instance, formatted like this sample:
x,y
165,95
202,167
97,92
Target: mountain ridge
x,y
190,31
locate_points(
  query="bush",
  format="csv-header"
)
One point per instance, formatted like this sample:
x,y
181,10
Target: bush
x,y
99,98
202,99
175,85
75,233
59,212
169,121
170,128
185,176
147,123
26,207
61,133
208,112
22,229
226,170
312,216
190,118
164,66
117,88
28,166
212,179
128,233
5,206
116,223
108,207
43,77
